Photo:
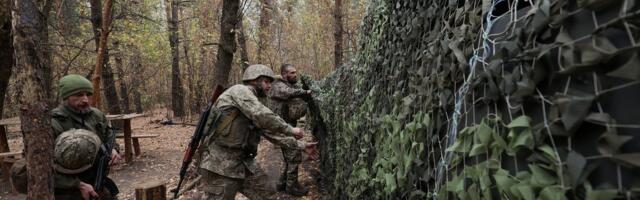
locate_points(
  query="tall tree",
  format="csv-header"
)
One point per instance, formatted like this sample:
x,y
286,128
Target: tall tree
x,y
186,44
136,83
227,41
124,94
338,31
6,51
34,85
264,34
105,23
177,97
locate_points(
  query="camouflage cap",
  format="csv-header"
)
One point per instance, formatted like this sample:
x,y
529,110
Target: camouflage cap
x,y
255,71
75,151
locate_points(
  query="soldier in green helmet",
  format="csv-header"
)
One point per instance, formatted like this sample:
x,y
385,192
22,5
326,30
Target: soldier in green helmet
x,y
75,112
228,162
285,100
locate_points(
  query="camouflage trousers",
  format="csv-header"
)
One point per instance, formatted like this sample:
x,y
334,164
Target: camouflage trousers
x,y
254,186
292,159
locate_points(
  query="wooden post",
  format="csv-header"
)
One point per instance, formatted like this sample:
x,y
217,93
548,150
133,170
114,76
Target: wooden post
x,y
4,144
127,139
136,147
151,191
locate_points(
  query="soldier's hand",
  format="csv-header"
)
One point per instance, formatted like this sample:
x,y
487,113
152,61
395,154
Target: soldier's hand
x,y
87,190
115,158
311,149
298,133
309,92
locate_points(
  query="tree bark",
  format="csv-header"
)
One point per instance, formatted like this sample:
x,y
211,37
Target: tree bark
x,y
135,83
32,65
6,50
124,94
110,90
177,97
242,43
102,48
190,68
338,34
227,41
264,34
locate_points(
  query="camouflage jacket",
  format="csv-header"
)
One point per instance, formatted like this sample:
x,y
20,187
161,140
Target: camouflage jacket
x,y
63,119
284,99
232,162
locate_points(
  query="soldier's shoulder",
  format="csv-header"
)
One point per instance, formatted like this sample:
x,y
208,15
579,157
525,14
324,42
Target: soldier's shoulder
x,y
97,112
58,112
278,82
239,89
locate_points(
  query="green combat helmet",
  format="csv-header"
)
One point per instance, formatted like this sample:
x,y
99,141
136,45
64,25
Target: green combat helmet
x,y
255,71
75,151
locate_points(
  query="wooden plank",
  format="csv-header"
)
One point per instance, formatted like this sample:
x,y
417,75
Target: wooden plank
x,y
124,116
8,154
127,140
145,136
139,136
151,191
10,121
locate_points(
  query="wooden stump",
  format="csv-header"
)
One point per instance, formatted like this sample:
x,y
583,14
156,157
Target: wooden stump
x,y
151,191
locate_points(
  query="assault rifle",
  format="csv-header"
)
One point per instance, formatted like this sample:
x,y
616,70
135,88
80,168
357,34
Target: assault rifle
x,y
102,164
196,139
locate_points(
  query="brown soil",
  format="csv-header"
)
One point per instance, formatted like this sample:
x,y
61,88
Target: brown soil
x,y
161,159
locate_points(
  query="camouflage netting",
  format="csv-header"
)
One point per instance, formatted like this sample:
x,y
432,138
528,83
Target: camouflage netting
x,y
487,100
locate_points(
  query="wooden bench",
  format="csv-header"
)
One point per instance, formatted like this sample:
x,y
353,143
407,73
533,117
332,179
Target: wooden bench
x,y
136,143
6,161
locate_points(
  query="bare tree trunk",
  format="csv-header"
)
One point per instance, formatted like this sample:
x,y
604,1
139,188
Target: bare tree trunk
x,y
190,68
102,48
6,51
124,94
338,34
32,66
177,97
137,68
242,42
227,41
264,34
110,90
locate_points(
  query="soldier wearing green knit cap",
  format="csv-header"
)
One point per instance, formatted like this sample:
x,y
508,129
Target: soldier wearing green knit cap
x,y
75,112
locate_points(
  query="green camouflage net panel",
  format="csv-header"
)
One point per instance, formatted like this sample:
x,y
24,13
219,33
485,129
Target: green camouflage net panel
x,y
487,100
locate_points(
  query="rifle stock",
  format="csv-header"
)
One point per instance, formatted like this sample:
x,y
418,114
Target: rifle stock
x,y
196,140
104,156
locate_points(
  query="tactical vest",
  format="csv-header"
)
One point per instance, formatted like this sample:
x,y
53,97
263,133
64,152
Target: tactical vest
x,y
62,121
236,131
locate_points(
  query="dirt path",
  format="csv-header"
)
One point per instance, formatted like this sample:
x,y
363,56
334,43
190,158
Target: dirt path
x,y
162,156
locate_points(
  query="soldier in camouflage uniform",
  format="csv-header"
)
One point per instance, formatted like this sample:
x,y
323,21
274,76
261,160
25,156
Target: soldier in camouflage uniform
x,y
76,112
74,153
286,101
228,161
79,129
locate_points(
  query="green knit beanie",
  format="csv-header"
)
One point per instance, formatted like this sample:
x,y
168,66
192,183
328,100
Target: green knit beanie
x,y
72,84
